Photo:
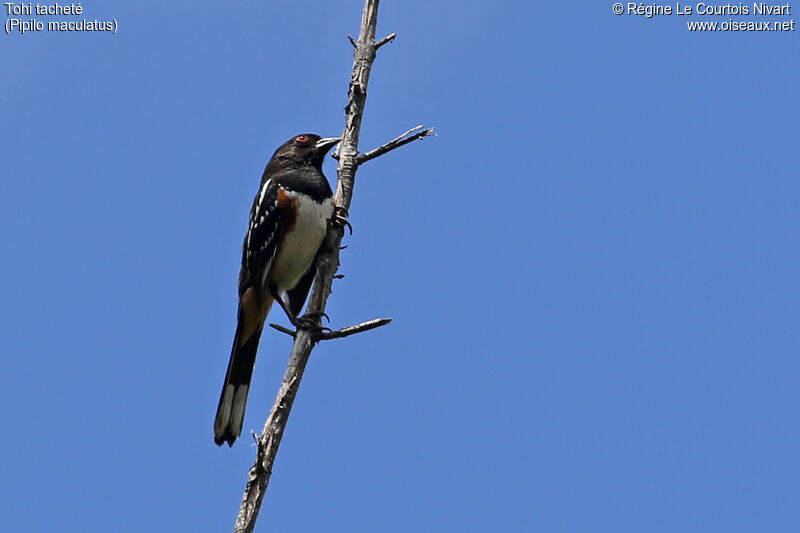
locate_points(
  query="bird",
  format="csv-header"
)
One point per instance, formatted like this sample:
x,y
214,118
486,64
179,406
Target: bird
x,y
287,226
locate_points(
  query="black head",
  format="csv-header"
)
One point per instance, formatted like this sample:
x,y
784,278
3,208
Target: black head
x,y
304,149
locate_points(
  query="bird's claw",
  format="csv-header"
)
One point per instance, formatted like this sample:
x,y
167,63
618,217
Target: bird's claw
x,y
311,323
317,315
340,219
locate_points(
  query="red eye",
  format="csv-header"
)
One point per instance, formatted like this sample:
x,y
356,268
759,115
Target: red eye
x,y
301,138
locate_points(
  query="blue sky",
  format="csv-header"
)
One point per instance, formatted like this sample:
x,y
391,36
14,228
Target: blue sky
x,y
592,271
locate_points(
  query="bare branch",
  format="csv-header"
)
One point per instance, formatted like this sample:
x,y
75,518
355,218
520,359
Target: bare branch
x,y
339,333
397,142
389,38
352,330
353,42
327,265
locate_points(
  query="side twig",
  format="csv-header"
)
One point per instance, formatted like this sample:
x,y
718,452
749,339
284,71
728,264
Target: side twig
x,y
352,330
397,142
389,38
322,335
282,329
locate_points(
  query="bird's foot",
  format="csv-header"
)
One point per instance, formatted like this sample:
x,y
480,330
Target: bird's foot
x,y
340,219
318,315
311,322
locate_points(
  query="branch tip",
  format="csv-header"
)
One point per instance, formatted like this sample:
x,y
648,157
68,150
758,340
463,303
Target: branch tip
x,y
389,38
352,330
397,142
283,330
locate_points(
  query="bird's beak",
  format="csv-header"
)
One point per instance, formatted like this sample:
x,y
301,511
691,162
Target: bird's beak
x,y
325,144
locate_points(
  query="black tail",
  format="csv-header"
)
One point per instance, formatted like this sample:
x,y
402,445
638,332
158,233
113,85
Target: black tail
x,y
233,399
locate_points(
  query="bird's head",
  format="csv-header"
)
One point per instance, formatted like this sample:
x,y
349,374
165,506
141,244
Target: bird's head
x,y
306,148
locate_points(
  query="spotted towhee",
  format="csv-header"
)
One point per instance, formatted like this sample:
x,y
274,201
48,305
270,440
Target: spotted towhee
x,y
288,222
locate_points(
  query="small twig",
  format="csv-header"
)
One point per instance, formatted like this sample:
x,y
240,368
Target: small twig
x,y
352,330
389,38
339,333
397,142
352,41
283,329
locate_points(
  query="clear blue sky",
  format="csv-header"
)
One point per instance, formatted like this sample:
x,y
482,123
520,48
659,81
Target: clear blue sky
x,y
592,271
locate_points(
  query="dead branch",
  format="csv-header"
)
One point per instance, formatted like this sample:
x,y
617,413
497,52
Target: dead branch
x,y
328,263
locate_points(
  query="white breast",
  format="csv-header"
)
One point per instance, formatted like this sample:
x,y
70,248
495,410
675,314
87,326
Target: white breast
x,y
300,245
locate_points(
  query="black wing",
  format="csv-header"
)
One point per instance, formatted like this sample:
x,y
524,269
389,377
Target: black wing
x,y
261,242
